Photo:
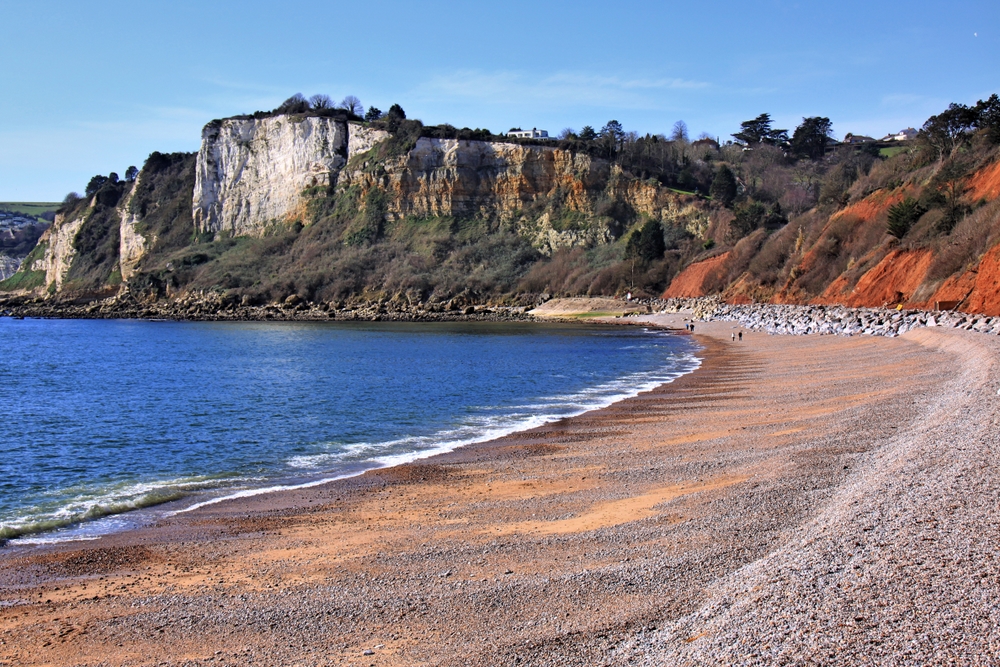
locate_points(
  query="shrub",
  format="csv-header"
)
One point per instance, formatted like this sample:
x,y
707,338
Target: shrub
x,y
647,243
903,215
723,188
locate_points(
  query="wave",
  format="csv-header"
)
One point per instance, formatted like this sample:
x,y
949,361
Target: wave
x,y
87,512
89,504
376,455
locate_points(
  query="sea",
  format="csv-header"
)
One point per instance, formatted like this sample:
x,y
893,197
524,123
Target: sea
x,y
107,424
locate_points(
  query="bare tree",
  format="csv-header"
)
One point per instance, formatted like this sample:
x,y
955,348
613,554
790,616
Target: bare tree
x,y
295,104
352,104
680,131
321,102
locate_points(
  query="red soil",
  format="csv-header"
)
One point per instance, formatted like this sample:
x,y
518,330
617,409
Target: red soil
x,y
697,278
871,206
956,288
985,296
985,183
893,280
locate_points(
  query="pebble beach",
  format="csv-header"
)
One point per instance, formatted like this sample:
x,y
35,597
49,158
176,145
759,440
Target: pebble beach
x,y
796,500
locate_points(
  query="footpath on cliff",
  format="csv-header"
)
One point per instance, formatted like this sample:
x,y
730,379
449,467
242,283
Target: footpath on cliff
x,y
797,499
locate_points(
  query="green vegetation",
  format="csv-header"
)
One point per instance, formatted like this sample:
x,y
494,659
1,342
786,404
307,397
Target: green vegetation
x,y
34,209
903,215
26,279
23,280
723,188
774,200
891,151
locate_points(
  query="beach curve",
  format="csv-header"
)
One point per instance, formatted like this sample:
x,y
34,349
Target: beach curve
x,y
438,562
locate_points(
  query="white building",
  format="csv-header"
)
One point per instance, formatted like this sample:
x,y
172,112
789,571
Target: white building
x,y
533,133
903,135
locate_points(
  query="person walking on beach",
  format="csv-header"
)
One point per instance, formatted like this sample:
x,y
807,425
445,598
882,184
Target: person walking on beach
x,y
741,336
734,338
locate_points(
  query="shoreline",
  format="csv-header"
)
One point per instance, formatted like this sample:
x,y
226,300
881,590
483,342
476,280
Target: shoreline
x,y
144,514
615,536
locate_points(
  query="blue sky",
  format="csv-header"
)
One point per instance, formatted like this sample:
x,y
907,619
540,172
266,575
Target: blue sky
x,y
91,88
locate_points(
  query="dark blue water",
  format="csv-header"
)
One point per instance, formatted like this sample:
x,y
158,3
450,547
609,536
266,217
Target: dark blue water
x,y
101,417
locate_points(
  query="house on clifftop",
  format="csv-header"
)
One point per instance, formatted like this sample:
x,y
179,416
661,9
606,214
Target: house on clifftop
x,y
533,133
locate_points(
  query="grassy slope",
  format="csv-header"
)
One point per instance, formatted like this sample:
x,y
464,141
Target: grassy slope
x,y
29,208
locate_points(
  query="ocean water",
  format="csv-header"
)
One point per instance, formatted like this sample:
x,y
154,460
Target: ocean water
x,y
100,419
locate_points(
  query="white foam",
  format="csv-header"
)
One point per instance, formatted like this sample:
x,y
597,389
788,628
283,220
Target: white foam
x,y
422,447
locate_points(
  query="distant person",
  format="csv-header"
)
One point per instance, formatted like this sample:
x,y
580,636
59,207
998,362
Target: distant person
x,y
734,338
741,336
628,297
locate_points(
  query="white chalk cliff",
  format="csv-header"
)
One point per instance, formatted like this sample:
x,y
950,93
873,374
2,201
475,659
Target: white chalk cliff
x,y
251,173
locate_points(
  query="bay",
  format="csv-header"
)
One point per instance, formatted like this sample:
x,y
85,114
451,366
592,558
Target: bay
x,y
100,418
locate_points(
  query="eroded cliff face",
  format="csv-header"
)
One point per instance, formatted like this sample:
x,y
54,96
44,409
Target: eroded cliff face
x,y
60,247
451,177
133,244
251,173
551,196
8,266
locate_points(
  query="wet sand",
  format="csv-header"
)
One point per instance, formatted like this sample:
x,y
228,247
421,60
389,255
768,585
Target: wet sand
x,y
644,532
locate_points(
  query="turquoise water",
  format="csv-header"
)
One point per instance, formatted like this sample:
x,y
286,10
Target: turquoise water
x,y
100,418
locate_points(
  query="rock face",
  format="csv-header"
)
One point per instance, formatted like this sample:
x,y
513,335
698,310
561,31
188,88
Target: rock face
x,y
446,177
132,244
551,195
8,266
60,249
251,173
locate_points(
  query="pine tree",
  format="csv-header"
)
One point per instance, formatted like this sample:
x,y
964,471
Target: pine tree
x,y
723,188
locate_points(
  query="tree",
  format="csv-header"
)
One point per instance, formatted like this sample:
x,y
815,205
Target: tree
x,y
568,134
988,117
396,112
749,216
950,129
759,131
613,130
587,133
113,178
373,113
647,243
295,104
680,131
947,188
723,188
95,184
612,136
320,102
131,173
811,137
903,215
352,105
69,201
